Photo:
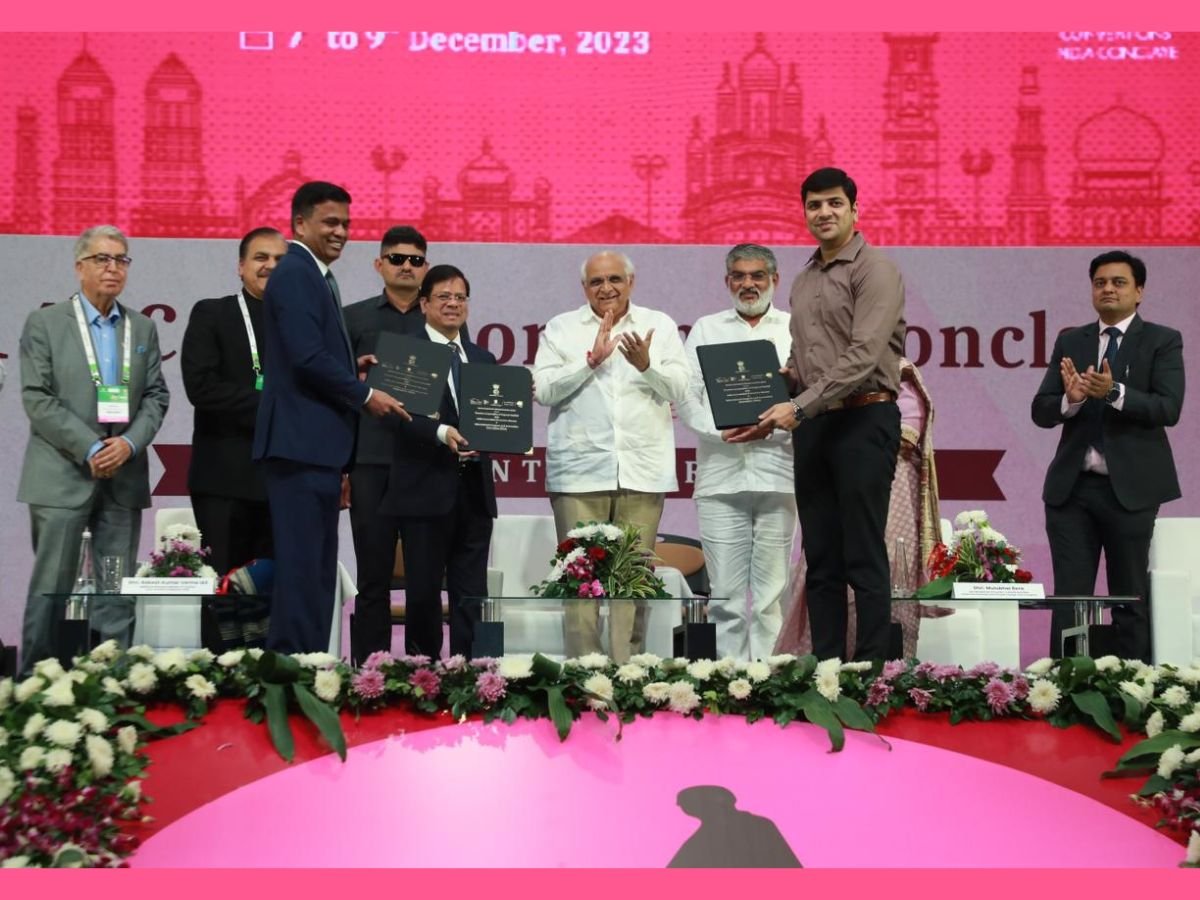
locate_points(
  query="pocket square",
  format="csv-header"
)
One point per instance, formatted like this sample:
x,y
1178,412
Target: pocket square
x,y
141,348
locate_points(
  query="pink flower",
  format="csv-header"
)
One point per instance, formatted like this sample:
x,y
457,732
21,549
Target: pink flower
x,y
368,684
489,686
597,589
999,695
180,572
985,669
920,698
427,681
879,692
942,673
924,670
893,668
1020,687
417,660
483,662
378,659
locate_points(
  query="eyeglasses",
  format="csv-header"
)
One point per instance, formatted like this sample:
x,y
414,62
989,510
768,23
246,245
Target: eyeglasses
x,y
104,260
739,277
397,259
446,297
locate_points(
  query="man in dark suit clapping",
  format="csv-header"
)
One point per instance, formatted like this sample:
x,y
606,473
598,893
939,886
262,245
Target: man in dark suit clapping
x,y
223,364
306,420
442,492
1115,386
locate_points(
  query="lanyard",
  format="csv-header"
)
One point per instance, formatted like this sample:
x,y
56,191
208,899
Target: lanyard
x,y
249,333
90,351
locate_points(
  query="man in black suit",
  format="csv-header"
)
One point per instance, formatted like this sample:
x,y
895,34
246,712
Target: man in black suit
x,y
1115,386
222,363
311,399
442,493
402,265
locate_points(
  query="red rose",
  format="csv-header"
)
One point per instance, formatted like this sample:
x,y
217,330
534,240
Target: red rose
x,y
1022,576
567,546
597,553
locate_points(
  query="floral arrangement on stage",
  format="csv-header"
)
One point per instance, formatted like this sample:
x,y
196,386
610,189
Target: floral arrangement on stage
x,y
68,739
600,559
977,553
180,556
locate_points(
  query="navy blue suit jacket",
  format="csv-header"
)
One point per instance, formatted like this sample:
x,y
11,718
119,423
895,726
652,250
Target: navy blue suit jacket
x,y
311,393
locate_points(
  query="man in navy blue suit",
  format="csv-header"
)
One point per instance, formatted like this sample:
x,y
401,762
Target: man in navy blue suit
x,y
304,436
442,493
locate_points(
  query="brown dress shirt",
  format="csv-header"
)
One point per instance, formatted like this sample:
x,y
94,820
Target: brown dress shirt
x,y
847,326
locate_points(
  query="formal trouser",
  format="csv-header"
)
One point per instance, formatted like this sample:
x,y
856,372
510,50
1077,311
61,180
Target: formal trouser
x,y
455,547
1091,520
235,530
57,534
304,515
375,536
844,462
627,621
747,540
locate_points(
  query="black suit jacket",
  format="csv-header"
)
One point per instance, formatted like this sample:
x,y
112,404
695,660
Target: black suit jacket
x,y
423,480
1141,468
219,380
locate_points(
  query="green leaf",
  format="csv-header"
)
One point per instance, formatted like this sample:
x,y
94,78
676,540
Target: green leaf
x,y
1133,709
151,730
1152,748
1155,784
1094,705
819,711
277,668
560,715
69,857
1082,668
322,715
938,589
546,668
275,702
852,715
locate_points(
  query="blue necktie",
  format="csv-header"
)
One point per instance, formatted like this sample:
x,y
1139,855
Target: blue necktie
x,y
1110,356
456,372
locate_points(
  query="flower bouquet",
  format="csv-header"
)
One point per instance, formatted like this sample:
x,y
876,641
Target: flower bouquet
x,y
600,559
977,553
180,556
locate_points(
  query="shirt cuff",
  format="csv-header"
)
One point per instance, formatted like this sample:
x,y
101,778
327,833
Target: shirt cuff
x,y
93,450
1119,403
370,391
1069,409
442,431
132,445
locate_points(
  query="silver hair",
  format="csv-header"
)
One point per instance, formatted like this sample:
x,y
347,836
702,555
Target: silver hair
x,y
751,251
84,243
625,261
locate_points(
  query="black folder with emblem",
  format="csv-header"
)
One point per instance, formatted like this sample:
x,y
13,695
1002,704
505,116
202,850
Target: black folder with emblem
x,y
495,411
742,380
412,370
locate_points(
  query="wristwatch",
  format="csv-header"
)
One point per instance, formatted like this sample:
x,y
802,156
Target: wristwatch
x,y
1113,395
798,412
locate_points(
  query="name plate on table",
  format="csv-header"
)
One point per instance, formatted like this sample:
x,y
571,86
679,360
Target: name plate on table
x,y
155,586
412,370
742,379
495,410
990,590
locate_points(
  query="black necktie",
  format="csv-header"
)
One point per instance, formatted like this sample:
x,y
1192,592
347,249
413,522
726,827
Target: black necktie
x,y
1110,357
337,301
456,371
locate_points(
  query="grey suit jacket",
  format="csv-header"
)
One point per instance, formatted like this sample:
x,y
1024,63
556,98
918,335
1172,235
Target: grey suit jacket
x,y
60,400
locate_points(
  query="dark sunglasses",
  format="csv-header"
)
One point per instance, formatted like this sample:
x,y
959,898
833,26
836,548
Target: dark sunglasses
x,y
397,259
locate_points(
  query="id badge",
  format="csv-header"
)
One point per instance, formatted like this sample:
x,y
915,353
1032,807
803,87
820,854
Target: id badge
x,y
112,403
258,381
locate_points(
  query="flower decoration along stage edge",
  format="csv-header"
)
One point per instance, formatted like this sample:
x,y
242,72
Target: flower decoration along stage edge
x,y
180,555
602,559
976,553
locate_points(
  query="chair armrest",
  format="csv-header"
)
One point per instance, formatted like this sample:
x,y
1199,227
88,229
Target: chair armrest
x,y
1171,617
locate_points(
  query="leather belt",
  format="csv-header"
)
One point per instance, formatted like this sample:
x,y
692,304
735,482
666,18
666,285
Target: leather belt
x,y
854,401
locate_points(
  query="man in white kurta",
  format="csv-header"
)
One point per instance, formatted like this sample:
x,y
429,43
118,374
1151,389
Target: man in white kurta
x,y
744,491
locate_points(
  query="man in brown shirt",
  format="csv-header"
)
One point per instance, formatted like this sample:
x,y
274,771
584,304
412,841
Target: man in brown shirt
x,y
847,337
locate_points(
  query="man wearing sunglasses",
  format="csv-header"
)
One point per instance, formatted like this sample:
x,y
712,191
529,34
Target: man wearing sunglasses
x,y
93,390
402,265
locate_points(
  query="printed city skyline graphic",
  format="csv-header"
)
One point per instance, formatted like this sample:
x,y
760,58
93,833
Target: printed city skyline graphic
x,y
1051,157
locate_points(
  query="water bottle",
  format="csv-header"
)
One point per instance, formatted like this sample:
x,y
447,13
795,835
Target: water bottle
x,y
902,585
85,580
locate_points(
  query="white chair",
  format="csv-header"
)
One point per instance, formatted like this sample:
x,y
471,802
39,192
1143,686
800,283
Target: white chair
x,y
522,549
979,631
1175,591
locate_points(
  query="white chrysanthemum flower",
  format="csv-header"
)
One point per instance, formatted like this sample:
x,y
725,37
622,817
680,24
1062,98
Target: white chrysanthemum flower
x,y
677,664
575,554
1138,692
739,689
990,535
105,652
599,684
649,660
516,666
100,755
171,661
33,726
200,687
83,664
255,653
181,531
779,660
970,517
758,671
93,720
202,655
127,739
1193,848
112,686
142,678
207,572
6,692
1154,724
825,666
1190,723
327,684
1171,759
3,736
28,688
1146,674
1190,675
15,862
144,570
230,658
656,691
1176,696
320,660
630,673
63,732
1193,757
828,685
592,661
49,668
57,759
31,758
726,666
701,669
1108,663
1040,667
141,651
860,665
682,697
132,791
8,783
79,676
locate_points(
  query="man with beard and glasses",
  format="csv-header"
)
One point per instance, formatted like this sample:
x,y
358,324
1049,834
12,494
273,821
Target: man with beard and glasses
x,y
744,492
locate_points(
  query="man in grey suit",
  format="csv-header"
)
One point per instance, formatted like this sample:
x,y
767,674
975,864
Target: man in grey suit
x,y
92,387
